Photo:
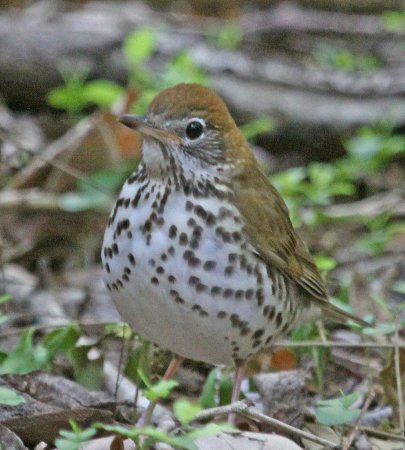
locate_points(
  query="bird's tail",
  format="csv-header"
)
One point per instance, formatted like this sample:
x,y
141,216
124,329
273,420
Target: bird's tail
x,y
332,312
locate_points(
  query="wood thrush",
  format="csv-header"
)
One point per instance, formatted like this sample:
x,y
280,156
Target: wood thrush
x,y
199,253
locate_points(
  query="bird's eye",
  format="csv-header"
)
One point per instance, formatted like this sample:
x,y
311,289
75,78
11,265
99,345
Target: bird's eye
x,y
194,129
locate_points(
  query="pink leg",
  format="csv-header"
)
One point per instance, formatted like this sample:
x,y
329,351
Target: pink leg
x,y
239,374
173,367
171,370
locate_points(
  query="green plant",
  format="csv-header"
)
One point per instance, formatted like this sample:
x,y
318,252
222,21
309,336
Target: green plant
x,y
318,184
161,389
97,191
337,411
370,150
377,235
226,36
3,299
217,389
28,356
343,59
9,397
393,21
306,332
138,48
262,124
185,412
77,93
75,439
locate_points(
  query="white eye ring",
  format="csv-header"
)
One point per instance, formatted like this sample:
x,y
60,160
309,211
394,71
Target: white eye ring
x,y
195,128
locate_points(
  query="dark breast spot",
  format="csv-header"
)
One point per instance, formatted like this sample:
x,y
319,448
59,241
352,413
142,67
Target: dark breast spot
x,y
209,265
183,239
260,296
172,231
228,271
131,259
279,319
258,334
216,290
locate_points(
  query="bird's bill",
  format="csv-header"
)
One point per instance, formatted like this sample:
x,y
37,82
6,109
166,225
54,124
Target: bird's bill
x,y
141,125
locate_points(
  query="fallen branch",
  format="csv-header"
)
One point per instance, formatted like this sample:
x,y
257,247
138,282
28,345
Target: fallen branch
x,y
243,409
392,202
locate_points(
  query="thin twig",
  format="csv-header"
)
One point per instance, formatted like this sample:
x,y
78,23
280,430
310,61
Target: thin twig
x,y
378,433
367,403
400,397
242,408
120,362
331,344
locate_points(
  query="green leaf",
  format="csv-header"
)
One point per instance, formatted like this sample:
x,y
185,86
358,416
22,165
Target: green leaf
x,y
181,69
3,318
10,397
162,389
65,444
185,411
138,363
262,124
325,263
344,401
119,330
88,371
102,93
393,21
343,59
225,390
399,286
336,416
75,439
226,36
23,358
62,340
5,298
336,411
157,435
212,429
110,180
139,46
380,329
207,398
70,98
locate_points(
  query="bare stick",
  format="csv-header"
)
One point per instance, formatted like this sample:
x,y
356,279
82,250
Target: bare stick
x,y
398,382
378,433
331,344
243,408
349,440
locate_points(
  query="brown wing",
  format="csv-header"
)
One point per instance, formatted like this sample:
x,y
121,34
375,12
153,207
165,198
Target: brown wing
x,y
271,233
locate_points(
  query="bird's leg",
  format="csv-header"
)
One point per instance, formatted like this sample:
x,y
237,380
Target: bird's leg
x,y
239,374
171,370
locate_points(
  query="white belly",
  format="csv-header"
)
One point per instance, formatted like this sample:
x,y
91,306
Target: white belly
x,y
212,317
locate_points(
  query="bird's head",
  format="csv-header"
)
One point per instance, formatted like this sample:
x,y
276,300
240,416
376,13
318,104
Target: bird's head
x,y
189,126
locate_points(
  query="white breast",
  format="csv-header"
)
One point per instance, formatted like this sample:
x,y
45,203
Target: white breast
x,y
149,268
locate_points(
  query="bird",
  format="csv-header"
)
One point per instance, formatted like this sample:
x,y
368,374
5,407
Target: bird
x,y
199,252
